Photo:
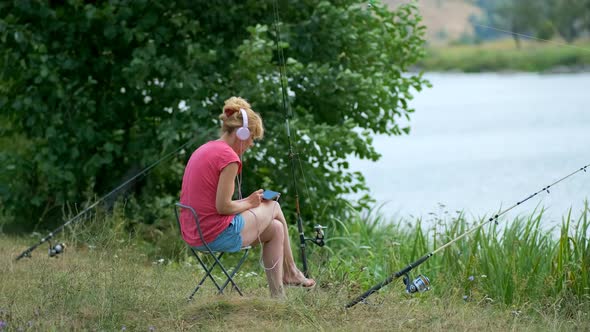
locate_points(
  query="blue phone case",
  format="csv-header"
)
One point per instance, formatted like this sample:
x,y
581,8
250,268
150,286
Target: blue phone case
x,y
269,195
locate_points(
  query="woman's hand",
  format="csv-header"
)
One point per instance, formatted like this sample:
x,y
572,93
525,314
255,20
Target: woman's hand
x,y
255,198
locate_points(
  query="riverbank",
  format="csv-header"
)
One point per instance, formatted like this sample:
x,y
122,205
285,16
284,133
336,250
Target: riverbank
x,y
84,291
502,56
518,278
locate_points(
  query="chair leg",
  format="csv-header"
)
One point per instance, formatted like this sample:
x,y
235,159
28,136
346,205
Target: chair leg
x,y
229,277
217,258
233,273
207,273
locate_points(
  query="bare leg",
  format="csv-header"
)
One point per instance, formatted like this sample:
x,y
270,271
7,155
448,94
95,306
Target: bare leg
x,y
263,214
270,233
292,275
272,257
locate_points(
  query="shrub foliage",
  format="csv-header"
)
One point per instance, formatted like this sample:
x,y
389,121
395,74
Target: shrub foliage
x,y
92,92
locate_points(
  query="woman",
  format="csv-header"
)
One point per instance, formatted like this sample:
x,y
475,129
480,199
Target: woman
x,y
228,225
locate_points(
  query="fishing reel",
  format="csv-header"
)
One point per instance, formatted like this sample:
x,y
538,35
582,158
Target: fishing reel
x,y
319,235
420,284
56,249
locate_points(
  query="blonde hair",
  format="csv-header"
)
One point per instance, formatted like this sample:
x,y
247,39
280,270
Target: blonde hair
x,y
231,118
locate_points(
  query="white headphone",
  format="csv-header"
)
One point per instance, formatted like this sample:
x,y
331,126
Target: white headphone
x,y
243,132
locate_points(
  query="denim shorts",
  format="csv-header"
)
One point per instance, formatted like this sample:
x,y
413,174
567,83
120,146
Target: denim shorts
x,y
230,239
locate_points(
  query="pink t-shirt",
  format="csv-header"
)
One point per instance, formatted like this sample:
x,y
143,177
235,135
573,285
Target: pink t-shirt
x,y
199,190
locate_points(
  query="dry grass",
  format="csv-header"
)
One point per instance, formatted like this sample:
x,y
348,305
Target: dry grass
x,y
120,289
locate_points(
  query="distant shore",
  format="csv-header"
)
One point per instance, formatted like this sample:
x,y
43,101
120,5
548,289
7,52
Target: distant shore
x,y
504,56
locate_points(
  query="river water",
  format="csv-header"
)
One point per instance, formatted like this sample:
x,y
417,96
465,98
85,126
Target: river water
x,y
482,142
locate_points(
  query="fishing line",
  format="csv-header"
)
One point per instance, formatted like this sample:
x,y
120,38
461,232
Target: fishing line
x,y
422,283
145,171
532,37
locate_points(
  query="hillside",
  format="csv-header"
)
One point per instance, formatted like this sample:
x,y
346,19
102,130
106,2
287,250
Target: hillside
x,y
445,20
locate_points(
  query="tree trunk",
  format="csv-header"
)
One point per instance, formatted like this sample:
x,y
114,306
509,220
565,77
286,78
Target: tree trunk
x,y
515,35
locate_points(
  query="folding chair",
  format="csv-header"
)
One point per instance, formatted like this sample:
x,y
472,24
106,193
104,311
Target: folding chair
x,y
216,256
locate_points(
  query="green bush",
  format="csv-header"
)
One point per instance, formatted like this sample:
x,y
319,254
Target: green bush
x,y
100,90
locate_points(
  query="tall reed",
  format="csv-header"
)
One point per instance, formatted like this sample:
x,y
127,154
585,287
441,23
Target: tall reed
x,y
513,262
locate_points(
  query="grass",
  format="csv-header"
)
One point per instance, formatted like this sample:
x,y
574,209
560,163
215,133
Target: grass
x,y
504,56
522,278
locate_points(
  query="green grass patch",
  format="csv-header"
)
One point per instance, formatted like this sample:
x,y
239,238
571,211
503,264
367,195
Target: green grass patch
x,y
504,56
513,276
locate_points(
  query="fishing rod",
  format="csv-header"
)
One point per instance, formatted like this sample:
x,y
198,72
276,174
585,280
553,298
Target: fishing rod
x,y
59,248
422,283
319,229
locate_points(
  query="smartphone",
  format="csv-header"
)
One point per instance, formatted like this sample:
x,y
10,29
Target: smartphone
x,y
270,195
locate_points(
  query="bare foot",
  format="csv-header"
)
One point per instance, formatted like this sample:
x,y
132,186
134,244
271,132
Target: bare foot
x,y
298,280
279,296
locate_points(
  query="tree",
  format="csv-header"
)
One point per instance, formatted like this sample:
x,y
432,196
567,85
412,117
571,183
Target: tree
x,y
96,91
569,17
537,18
521,17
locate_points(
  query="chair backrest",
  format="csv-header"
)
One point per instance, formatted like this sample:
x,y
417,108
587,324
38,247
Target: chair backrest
x,y
182,206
